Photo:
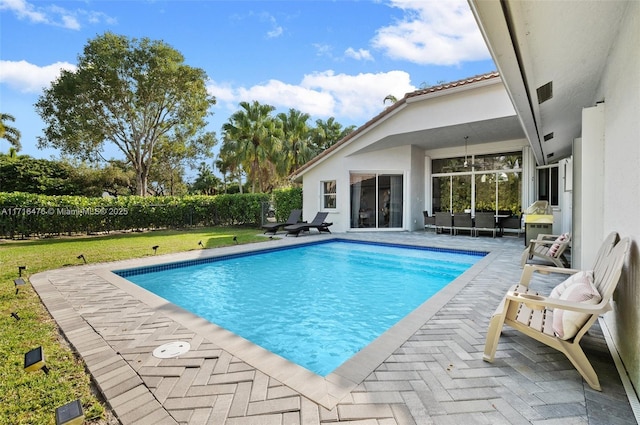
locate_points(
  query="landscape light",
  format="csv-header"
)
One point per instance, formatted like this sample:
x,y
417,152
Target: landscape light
x,y
70,414
235,239
155,249
81,257
21,269
18,283
34,360
200,243
15,315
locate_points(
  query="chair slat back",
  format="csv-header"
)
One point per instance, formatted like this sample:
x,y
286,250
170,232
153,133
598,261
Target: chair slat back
x,y
606,247
610,269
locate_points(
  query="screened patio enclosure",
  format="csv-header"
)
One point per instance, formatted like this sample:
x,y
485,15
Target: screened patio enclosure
x,y
490,183
376,200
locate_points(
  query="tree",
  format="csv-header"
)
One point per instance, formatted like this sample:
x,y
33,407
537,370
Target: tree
x,y
171,159
127,92
23,173
251,136
8,132
327,133
297,146
206,182
391,98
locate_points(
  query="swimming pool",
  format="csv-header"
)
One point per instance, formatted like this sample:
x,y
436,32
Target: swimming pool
x,y
317,304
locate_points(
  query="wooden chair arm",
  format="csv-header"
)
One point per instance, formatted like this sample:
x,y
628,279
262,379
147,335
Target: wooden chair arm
x,y
546,236
529,269
539,302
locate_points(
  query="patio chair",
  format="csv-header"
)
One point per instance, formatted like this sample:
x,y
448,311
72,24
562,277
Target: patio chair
x,y
464,222
485,222
429,221
443,221
512,224
317,223
273,228
549,248
561,319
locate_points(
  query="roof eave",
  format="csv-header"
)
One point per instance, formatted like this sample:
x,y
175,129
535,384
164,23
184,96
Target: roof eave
x,y
493,20
409,98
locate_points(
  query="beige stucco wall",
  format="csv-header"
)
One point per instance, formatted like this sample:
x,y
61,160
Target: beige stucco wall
x,y
620,89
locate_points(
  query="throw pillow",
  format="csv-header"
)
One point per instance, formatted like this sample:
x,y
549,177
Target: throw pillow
x,y
583,276
556,244
578,288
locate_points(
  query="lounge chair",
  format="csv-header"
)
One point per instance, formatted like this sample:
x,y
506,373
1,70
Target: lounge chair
x,y
561,319
317,223
272,228
549,248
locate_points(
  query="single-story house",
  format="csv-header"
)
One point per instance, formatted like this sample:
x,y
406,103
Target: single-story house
x,y
559,121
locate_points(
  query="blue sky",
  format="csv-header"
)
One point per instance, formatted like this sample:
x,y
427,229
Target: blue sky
x,y
327,58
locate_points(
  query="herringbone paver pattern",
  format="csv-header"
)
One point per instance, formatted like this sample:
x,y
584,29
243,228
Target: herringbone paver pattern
x,y
436,376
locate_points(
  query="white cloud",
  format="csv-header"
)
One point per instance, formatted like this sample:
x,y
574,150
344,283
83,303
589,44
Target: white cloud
x,y
54,15
323,49
276,30
355,98
359,97
433,32
360,54
23,10
29,78
275,93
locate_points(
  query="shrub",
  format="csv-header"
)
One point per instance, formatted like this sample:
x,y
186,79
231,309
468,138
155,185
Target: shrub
x,y
25,214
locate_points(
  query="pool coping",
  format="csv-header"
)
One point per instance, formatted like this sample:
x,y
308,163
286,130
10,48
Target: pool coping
x,y
326,391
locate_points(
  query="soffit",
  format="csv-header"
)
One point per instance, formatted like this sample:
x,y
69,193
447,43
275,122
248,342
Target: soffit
x,y
536,42
480,132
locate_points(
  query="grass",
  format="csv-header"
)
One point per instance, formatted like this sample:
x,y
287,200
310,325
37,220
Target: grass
x,y
32,397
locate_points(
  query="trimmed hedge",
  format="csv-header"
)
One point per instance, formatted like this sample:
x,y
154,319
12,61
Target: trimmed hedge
x,y
25,214
286,200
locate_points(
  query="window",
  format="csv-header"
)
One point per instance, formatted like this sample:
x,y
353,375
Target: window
x,y
487,183
548,185
329,194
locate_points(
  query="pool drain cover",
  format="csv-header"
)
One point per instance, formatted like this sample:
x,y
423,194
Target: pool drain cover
x,y
171,349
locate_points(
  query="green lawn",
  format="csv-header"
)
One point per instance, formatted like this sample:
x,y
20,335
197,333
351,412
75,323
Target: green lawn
x,y
32,397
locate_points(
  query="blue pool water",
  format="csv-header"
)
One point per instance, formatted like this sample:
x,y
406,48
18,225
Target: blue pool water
x,y
315,305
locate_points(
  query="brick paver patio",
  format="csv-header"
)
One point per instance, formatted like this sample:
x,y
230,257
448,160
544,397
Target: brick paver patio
x,y
433,375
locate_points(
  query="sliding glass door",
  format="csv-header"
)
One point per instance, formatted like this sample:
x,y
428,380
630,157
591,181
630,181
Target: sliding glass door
x,y
376,200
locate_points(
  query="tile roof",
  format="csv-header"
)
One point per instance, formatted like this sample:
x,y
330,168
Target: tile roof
x,y
387,111
453,84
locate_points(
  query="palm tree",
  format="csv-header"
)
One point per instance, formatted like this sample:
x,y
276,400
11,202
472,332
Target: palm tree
x,y
327,133
391,98
256,138
297,147
9,133
227,163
